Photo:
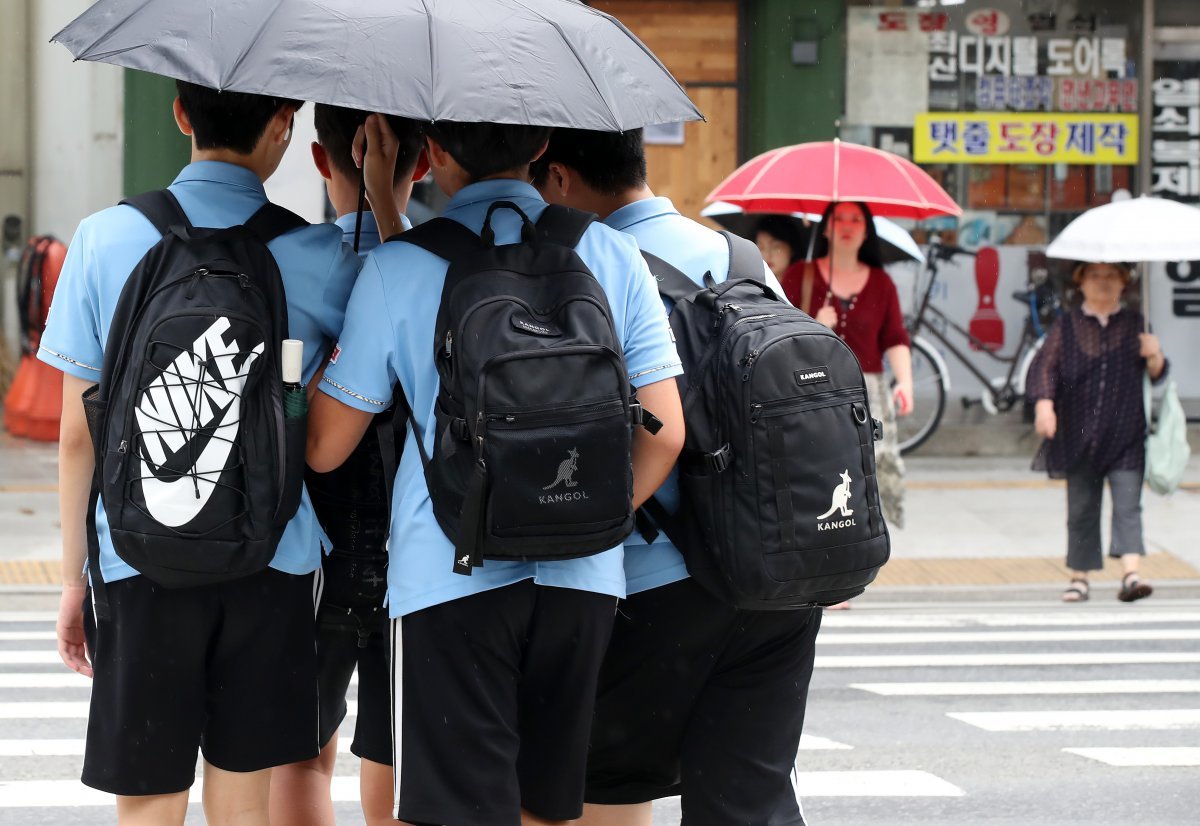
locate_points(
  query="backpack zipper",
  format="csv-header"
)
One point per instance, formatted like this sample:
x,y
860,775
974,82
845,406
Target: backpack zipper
x,y
797,404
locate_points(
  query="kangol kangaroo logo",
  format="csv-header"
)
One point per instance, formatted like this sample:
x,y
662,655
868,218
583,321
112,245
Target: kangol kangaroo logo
x,y
839,505
566,471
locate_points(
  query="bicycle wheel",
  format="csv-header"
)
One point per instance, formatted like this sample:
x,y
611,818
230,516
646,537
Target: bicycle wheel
x,y
930,384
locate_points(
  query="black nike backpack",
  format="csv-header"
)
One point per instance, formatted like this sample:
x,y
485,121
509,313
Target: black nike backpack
x,y
198,469
534,413
779,506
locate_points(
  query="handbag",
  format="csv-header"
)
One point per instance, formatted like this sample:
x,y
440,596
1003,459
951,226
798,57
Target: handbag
x,y
1167,448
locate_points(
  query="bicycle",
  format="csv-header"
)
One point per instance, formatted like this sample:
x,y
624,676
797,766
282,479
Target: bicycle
x,y
931,375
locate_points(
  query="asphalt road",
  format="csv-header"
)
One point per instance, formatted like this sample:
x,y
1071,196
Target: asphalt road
x,y
929,713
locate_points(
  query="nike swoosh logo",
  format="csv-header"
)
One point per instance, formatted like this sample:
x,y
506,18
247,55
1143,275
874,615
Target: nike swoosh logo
x,y
176,503
181,402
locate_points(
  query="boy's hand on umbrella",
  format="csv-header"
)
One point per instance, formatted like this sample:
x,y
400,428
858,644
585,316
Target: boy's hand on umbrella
x,y
379,171
828,316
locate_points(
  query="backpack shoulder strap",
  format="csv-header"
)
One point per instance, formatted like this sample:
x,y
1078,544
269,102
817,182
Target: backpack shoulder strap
x,y
563,225
161,209
672,283
745,261
444,237
272,220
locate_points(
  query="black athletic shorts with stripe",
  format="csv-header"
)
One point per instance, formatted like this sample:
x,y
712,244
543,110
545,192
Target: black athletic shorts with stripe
x,y
702,700
493,694
228,669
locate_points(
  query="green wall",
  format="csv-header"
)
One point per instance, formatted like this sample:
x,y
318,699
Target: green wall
x,y
792,104
155,150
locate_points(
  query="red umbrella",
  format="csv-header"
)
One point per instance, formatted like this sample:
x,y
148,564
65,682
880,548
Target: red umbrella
x,y
810,176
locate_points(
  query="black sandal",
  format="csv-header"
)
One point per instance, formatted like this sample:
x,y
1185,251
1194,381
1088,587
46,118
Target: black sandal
x,y
1077,591
1133,588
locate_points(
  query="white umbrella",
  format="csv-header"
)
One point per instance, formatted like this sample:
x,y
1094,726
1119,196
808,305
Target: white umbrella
x,y
1132,230
1136,229
887,230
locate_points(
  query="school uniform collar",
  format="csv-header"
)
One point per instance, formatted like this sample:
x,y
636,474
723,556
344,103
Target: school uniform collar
x,y
219,172
639,211
497,189
346,222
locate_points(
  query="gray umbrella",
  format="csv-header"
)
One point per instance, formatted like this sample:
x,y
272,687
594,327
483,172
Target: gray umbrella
x,y
539,62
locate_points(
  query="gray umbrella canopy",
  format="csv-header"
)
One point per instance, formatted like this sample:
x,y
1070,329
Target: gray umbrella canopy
x,y
537,62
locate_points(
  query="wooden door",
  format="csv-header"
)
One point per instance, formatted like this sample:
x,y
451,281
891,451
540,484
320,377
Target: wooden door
x,y
698,42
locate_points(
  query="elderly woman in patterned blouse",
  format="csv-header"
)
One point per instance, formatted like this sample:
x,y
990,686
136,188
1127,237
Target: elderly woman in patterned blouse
x,y
1086,384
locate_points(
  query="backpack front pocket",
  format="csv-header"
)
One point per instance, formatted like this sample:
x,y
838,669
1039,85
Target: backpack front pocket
x,y
562,470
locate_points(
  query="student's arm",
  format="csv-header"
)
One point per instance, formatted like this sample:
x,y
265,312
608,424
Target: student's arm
x,y
76,462
655,455
334,430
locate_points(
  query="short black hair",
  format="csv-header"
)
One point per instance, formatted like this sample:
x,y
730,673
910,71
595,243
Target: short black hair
x,y
484,149
336,126
868,253
228,120
611,163
783,228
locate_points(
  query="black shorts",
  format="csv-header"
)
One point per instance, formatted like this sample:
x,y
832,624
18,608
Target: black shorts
x,y
349,639
705,701
229,669
494,696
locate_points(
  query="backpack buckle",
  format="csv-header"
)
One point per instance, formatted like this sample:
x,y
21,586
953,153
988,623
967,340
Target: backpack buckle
x,y
720,461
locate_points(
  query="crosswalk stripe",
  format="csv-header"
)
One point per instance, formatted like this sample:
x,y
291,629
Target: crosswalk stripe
x,y
1145,756
28,616
26,636
72,793
902,783
934,637
848,619
48,679
69,710
72,748
41,748
29,657
1159,719
932,689
960,660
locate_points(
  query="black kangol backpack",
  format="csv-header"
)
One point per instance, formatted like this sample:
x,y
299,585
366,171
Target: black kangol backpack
x,y
779,504
534,413
198,469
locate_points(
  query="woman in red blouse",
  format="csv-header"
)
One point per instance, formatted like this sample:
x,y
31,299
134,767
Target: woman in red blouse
x,y
860,302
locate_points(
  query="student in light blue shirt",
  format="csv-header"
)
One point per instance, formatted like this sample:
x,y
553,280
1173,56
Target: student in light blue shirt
x,y
230,665
696,698
494,672
352,506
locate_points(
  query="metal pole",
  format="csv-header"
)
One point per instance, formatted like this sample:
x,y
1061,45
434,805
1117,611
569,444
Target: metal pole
x,y
1146,136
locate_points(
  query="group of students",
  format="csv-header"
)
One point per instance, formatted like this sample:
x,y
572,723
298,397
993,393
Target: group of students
x,y
513,695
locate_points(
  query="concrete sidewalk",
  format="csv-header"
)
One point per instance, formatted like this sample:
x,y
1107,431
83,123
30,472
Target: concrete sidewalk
x,y
973,523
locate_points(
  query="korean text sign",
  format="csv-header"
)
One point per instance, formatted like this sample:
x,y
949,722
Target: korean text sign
x,y
1025,137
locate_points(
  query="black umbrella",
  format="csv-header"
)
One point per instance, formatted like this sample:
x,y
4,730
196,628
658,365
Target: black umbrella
x,y
536,62
895,244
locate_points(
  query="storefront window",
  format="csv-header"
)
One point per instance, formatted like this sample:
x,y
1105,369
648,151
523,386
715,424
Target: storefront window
x,y
1025,115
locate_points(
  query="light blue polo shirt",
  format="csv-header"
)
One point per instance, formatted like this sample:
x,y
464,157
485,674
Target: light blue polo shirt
x,y
369,237
693,249
318,273
389,337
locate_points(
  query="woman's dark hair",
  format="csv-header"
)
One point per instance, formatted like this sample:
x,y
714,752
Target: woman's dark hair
x,y
228,120
782,228
868,253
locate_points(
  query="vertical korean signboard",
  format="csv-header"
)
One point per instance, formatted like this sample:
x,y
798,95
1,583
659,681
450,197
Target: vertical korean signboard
x,y
1175,174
